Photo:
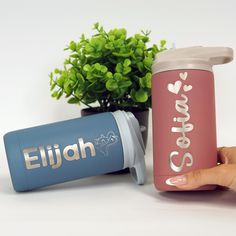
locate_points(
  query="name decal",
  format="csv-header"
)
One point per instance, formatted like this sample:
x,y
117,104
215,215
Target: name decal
x,y
183,126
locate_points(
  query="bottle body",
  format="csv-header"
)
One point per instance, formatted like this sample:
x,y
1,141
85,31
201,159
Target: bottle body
x,y
64,151
184,125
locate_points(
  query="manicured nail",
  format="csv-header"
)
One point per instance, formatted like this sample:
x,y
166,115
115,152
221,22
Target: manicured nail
x,y
177,180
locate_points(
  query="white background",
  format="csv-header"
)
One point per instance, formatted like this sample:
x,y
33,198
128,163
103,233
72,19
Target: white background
x,y
32,37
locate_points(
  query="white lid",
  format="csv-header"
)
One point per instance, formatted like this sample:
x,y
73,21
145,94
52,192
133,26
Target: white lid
x,y
202,58
132,142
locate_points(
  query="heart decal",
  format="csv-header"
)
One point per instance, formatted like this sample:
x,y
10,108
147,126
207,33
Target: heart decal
x,y
183,76
174,88
187,88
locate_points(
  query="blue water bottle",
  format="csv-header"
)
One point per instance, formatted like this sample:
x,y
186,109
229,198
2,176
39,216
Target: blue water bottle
x,y
74,149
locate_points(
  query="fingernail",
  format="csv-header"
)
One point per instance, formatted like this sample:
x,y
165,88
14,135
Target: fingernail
x,y
177,180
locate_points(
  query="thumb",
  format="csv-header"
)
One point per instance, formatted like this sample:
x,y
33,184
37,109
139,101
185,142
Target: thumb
x,y
224,175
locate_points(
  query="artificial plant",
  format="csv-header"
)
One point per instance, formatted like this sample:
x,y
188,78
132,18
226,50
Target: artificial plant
x,y
109,67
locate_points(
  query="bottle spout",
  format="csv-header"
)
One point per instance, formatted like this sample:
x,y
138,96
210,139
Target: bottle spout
x,y
218,55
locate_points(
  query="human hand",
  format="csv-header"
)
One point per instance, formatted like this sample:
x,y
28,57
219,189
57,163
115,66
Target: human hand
x,y
224,174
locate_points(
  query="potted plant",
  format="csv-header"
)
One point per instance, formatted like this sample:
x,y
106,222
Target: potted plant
x,y
111,69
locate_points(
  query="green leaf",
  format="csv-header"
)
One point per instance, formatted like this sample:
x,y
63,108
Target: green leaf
x,y
80,77
96,25
103,69
141,95
125,84
139,52
119,93
87,68
73,100
140,66
54,94
132,95
127,62
148,80
89,49
97,43
142,82
78,93
111,85
57,71
67,87
53,85
109,46
118,76
72,46
109,75
148,62
119,68
59,94
97,66
163,43
126,70
60,81
88,99
119,54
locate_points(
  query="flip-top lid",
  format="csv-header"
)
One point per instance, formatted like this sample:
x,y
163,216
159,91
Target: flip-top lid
x,y
192,58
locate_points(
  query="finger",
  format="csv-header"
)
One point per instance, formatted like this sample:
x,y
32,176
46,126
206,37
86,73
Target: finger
x,y
226,155
220,155
223,175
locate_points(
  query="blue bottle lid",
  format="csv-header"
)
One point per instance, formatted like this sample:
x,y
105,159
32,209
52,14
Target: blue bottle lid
x,y
133,146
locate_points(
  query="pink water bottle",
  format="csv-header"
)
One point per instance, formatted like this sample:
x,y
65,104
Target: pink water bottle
x,y
183,106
